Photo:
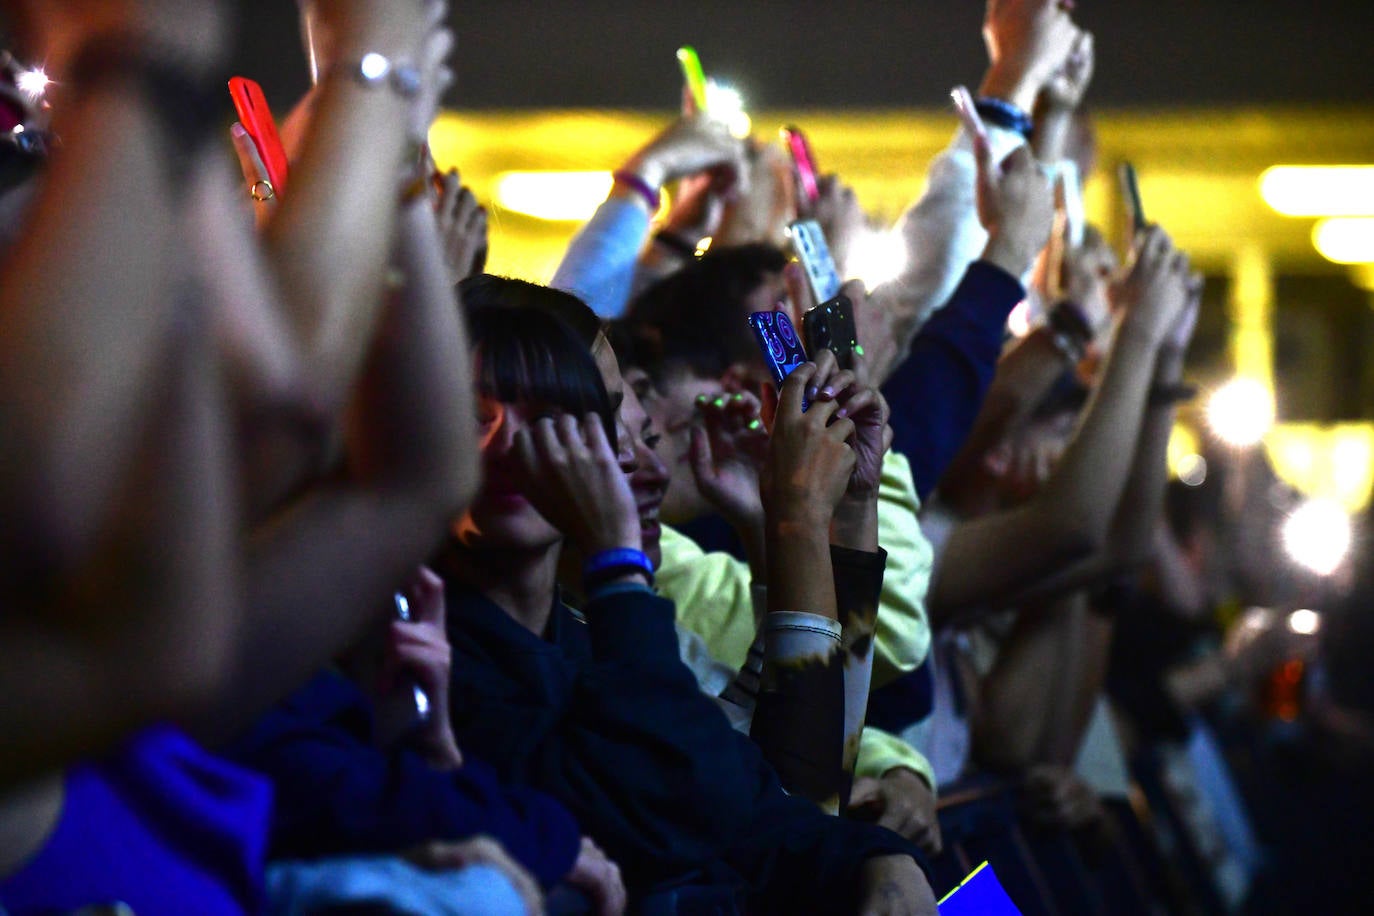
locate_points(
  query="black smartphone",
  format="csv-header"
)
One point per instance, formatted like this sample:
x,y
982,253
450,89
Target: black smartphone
x,y
1130,187
830,326
782,349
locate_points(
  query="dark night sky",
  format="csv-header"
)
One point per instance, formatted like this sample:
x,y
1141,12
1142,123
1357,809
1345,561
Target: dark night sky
x,y
872,53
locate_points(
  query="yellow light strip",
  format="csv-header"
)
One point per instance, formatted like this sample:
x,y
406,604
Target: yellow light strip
x,y
553,196
1325,190
1345,241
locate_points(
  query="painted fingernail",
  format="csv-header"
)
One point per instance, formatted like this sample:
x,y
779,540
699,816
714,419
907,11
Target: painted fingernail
x,y
702,400
842,412
859,349
811,392
738,398
719,402
756,424
828,392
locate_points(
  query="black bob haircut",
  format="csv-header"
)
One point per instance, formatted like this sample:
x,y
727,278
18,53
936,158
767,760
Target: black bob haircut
x,y
527,354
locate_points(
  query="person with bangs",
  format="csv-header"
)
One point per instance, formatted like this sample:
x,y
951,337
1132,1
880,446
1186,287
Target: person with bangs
x,y
595,706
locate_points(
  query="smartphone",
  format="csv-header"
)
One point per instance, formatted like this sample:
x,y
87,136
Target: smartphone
x,y
830,326
421,698
1130,187
808,242
782,349
256,118
804,161
693,75
968,114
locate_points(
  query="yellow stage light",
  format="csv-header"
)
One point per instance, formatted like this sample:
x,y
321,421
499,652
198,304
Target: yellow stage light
x,y
553,196
1345,241
1319,190
876,258
1317,536
1241,412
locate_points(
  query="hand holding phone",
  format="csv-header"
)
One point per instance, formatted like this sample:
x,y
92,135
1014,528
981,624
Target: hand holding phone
x,y
256,118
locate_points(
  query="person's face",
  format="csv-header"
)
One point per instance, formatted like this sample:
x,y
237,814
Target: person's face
x,y
501,517
672,412
636,442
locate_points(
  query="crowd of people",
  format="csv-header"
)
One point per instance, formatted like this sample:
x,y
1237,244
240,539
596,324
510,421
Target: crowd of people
x,y
341,576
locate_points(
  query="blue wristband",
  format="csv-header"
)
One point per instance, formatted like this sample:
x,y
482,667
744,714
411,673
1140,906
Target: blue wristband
x,y
1005,115
612,564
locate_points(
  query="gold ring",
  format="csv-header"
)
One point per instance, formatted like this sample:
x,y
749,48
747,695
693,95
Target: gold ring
x,y
262,190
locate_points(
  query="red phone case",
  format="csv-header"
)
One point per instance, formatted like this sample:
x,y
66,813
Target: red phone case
x,y
256,118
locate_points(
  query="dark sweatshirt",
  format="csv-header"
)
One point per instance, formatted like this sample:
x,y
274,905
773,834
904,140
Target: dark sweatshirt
x,y
337,794
603,715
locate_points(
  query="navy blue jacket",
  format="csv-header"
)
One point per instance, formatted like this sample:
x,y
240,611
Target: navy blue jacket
x,y
337,794
603,715
936,393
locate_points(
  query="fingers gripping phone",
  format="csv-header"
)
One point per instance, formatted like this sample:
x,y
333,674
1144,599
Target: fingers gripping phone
x,y
808,241
804,161
256,118
778,342
830,326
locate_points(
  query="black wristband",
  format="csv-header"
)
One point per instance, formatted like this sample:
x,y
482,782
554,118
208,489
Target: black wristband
x,y
1004,115
190,106
1068,319
675,243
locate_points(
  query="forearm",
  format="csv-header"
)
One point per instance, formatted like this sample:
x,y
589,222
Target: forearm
x,y
1021,380
599,265
329,240
800,576
1052,134
855,525
1026,717
87,317
1133,529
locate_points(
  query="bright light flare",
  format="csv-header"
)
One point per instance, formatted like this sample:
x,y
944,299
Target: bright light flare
x,y
1241,412
1345,241
726,105
1304,622
554,196
1019,321
33,83
1192,470
1317,536
1319,190
877,257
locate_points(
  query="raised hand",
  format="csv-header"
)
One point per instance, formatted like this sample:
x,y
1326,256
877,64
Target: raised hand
x,y
1016,206
1182,332
418,651
436,76
728,450
809,459
1028,42
571,476
1155,289
462,227
842,219
692,145
1066,88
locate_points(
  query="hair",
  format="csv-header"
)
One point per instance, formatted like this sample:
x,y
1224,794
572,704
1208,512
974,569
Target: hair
x,y
696,317
529,354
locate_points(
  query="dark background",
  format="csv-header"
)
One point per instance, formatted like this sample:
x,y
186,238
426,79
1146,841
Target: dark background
x,y
879,53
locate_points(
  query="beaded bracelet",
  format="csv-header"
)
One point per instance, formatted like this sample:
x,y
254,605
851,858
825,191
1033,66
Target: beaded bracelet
x,y
651,195
612,564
